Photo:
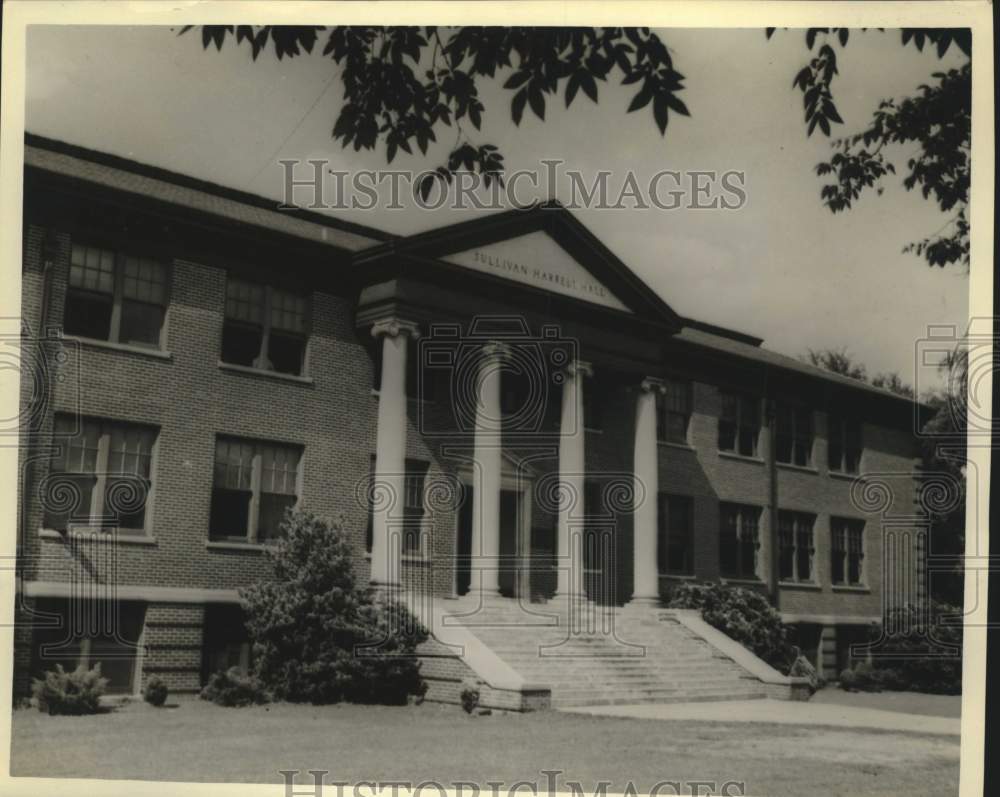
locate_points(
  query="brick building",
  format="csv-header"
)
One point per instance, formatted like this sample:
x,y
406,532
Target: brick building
x,y
538,421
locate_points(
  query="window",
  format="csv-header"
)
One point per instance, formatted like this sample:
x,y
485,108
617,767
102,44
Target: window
x,y
105,468
844,445
794,435
254,483
847,551
413,507
593,414
264,328
739,540
795,546
673,412
675,553
90,632
115,297
739,425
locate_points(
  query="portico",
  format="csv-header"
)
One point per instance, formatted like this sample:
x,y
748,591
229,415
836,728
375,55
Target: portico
x,y
512,401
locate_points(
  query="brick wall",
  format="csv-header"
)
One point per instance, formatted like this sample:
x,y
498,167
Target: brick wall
x,y
191,399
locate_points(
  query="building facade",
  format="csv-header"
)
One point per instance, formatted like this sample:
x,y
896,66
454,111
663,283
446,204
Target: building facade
x,y
498,407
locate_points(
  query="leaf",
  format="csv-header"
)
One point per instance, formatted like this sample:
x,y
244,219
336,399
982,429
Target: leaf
x,y
537,102
571,88
641,100
660,113
517,79
517,106
589,86
677,104
842,34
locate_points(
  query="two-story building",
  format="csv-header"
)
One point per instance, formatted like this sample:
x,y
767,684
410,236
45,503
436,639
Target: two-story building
x,y
498,408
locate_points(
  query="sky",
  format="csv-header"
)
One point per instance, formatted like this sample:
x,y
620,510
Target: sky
x,y
782,267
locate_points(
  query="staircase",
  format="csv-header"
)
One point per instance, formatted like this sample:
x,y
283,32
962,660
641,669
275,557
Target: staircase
x,y
604,655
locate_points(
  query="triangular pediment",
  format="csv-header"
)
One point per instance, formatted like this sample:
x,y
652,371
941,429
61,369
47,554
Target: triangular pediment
x,y
543,248
535,259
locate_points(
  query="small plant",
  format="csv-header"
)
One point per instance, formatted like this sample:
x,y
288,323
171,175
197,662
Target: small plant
x,y
232,688
470,695
803,668
155,692
74,693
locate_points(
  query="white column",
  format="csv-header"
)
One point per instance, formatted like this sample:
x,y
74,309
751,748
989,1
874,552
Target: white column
x,y
488,456
571,469
646,581
390,450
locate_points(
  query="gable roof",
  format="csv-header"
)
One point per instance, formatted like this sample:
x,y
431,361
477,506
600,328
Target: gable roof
x,y
369,243
558,223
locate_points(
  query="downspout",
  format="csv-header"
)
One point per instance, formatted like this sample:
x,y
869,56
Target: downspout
x,y
772,485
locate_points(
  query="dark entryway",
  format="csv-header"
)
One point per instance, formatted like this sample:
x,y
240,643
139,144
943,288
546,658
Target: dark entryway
x,y
510,548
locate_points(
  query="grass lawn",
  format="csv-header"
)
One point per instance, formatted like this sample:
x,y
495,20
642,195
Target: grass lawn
x,y
198,741
905,702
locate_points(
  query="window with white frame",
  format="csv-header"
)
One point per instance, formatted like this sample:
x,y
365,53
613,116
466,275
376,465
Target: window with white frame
x,y
265,327
794,435
253,485
739,541
796,547
673,412
739,424
844,444
117,297
105,468
847,551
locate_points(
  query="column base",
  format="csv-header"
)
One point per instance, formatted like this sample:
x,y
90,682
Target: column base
x,y
644,602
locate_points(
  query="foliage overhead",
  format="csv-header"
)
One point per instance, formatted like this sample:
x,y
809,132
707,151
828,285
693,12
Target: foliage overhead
x,y
937,119
404,85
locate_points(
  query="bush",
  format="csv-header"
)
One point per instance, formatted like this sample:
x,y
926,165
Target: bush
x,y
470,696
78,692
155,692
913,661
233,689
320,638
803,668
741,614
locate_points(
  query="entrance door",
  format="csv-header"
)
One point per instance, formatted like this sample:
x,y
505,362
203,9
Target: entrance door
x,y
510,550
510,547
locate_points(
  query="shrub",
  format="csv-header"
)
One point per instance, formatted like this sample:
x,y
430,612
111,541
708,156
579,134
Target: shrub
x,y
155,692
232,688
470,696
741,614
803,668
925,663
317,636
78,692
914,661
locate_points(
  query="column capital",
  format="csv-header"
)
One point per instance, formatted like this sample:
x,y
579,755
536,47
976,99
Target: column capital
x,y
651,384
393,327
579,368
496,350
